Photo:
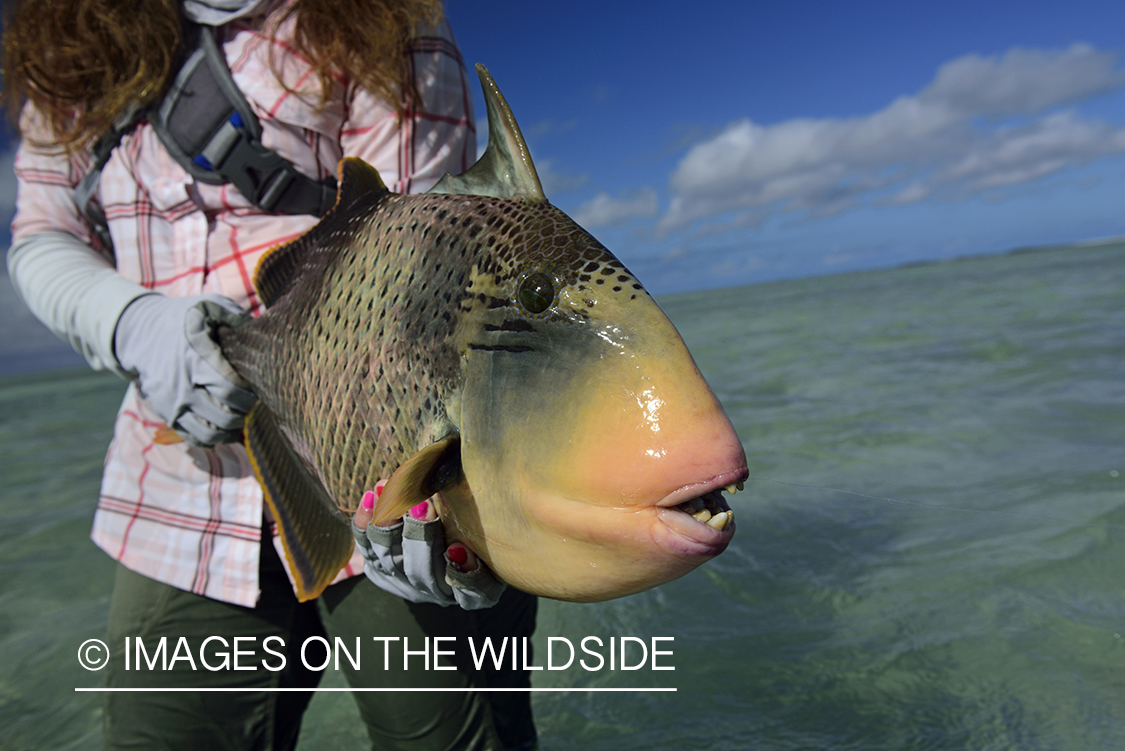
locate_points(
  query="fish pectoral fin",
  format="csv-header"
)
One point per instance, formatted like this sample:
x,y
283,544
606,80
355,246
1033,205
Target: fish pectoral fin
x,y
316,536
427,472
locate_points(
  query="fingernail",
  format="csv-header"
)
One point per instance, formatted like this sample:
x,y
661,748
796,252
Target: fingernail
x,y
368,501
379,488
459,554
364,513
420,511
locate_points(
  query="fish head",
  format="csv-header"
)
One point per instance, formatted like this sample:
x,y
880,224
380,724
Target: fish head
x,y
587,436
585,426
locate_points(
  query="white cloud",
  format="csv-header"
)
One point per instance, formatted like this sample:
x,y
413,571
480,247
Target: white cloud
x,y
556,182
950,140
1022,81
1022,154
604,211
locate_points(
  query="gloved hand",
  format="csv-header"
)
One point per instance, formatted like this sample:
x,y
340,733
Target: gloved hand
x,y
167,343
406,559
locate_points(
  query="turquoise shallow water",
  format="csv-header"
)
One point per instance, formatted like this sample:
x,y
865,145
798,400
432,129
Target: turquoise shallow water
x,y
982,608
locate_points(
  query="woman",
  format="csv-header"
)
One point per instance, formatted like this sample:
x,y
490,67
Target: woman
x,y
326,79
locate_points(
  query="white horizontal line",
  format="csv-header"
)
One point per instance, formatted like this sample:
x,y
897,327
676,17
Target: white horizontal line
x,y
355,690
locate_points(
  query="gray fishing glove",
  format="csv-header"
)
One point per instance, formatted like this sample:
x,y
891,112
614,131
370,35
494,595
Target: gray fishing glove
x,y
167,344
409,559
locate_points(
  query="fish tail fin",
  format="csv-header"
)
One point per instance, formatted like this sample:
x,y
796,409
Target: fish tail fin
x,y
314,533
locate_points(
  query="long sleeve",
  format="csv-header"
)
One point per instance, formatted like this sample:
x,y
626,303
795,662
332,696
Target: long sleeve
x,y
67,284
434,137
74,291
162,512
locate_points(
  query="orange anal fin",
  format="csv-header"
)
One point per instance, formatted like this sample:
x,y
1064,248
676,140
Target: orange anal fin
x,y
316,537
165,436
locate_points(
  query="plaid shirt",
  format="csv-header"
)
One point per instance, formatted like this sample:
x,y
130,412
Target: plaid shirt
x,y
190,517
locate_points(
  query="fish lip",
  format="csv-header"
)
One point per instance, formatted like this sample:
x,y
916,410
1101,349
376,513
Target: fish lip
x,y
684,537
696,489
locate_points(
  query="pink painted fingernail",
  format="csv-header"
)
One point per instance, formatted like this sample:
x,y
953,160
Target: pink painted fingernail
x,y
420,511
459,554
368,501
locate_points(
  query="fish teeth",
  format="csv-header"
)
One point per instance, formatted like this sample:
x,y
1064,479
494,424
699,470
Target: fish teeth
x,y
710,509
721,520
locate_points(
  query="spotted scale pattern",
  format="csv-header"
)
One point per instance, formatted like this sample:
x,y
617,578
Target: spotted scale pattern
x,y
374,310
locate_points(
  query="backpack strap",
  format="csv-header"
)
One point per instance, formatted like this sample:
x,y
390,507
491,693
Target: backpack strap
x,y
208,127
88,186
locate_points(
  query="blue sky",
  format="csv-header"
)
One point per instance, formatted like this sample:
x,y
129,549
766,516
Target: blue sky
x,y
719,143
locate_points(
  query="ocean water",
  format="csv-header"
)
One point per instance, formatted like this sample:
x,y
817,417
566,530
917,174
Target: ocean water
x,y
930,551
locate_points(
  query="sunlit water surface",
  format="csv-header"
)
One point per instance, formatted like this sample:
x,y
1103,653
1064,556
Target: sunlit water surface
x,y
982,608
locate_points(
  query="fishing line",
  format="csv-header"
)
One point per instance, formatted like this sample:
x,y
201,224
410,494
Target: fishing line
x,y
939,507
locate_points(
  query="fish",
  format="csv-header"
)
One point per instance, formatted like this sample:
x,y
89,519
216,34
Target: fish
x,y
477,346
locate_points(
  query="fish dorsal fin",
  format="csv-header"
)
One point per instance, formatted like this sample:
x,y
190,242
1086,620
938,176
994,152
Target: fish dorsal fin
x,y
279,266
422,475
505,169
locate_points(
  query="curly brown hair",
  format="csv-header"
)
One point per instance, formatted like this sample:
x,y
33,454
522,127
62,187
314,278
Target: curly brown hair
x,y
83,63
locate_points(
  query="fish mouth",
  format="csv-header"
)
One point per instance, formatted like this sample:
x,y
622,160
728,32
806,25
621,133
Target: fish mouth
x,y
729,481
697,521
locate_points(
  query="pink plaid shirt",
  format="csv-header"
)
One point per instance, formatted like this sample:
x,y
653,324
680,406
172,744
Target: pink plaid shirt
x,y
190,517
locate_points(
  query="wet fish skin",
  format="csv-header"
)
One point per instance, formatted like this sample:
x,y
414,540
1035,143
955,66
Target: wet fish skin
x,y
488,349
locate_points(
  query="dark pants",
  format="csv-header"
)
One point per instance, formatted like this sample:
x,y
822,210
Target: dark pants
x,y
146,609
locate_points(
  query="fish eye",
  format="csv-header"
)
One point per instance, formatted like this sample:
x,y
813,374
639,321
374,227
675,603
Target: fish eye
x,y
537,292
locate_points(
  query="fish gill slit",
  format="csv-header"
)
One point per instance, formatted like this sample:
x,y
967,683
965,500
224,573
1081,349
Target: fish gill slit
x,y
513,348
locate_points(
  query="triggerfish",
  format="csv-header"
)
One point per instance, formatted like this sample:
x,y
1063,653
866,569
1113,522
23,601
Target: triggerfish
x,y
476,345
